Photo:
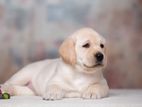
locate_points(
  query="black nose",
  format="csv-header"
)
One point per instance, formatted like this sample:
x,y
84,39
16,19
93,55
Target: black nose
x,y
99,56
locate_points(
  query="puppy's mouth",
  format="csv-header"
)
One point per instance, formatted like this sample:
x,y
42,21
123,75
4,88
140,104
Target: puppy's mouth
x,y
93,66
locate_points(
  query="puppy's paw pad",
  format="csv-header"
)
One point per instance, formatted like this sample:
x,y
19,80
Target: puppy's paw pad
x,y
53,93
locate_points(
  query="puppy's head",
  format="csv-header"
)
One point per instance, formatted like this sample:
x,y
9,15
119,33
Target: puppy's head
x,y
85,49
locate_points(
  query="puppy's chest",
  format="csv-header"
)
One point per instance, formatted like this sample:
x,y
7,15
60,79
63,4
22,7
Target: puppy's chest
x,y
80,82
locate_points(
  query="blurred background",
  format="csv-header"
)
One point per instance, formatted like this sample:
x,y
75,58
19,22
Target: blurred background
x,y
32,30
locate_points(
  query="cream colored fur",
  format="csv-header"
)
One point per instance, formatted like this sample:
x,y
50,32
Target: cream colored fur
x,y
72,75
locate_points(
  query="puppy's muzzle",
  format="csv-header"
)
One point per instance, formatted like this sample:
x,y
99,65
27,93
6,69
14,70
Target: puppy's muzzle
x,y
99,57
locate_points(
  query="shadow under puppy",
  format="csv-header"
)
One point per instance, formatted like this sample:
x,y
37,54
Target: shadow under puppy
x,y
77,73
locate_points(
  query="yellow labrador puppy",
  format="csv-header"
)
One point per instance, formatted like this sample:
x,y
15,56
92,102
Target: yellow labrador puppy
x,y
78,73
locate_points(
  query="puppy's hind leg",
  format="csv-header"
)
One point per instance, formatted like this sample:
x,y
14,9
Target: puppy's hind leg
x,y
17,90
16,85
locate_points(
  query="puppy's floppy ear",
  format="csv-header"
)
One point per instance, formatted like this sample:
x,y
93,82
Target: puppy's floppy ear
x,y
67,51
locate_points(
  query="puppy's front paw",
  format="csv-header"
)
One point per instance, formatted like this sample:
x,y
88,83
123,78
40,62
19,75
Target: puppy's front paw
x,y
89,94
53,93
95,92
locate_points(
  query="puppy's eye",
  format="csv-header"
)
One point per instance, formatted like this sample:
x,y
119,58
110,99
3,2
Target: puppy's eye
x,y
102,45
87,45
